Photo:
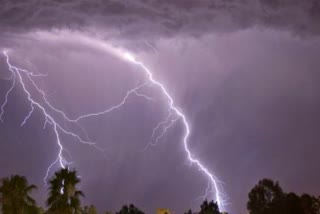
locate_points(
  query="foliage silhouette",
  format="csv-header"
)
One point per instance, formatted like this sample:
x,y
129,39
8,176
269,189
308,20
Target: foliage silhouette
x,y
15,196
267,197
131,209
207,208
63,194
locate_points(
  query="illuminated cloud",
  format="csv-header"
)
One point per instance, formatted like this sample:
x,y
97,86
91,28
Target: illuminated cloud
x,y
165,18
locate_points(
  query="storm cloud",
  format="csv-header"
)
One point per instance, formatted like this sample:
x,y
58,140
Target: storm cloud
x,y
152,19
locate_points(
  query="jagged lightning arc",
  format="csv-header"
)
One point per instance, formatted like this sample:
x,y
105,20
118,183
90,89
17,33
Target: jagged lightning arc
x,y
213,182
17,76
45,107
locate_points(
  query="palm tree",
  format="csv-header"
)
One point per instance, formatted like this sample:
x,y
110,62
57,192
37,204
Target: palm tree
x,y
63,194
14,195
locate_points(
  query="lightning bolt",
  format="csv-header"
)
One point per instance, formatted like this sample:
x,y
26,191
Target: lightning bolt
x,y
17,78
213,185
213,190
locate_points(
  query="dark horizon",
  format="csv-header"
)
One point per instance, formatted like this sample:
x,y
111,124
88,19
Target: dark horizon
x,y
265,197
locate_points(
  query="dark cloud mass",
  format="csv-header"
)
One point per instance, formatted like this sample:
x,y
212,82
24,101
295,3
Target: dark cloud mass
x,y
152,18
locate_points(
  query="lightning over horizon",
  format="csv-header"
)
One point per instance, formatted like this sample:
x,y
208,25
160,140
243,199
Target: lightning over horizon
x,y
174,104
21,77
214,183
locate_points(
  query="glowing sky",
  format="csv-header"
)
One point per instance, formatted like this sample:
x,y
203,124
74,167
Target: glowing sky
x,y
246,74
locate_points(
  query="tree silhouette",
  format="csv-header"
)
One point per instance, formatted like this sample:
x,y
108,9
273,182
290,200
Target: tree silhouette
x,y
209,208
63,194
265,198
292,204
306,204
131,209
15,198
310,204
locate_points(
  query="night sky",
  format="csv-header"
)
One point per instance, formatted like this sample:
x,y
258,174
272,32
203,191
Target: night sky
x,y
245,74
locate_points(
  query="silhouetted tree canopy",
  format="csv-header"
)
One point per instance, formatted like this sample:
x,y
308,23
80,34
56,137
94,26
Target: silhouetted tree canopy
x,y
267,197
15,196
207,208
131,209
63,194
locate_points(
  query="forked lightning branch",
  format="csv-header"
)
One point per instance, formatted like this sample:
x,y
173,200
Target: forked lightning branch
x,y
25,79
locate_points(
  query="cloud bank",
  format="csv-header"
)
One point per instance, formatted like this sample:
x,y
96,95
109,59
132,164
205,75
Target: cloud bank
x,y
165,18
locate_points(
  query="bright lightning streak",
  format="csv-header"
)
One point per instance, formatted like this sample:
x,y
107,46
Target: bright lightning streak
x,y
174,114
124,100
214,183
7,95
17,76
163,126
57,128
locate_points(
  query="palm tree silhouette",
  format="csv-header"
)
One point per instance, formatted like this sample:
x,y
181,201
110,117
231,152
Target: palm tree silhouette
x,y
63,194
15,195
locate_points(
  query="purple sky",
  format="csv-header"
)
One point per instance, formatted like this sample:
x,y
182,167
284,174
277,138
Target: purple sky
x,y
245,74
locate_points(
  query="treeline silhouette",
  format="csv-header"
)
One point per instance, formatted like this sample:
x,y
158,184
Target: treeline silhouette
x,y
267,197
